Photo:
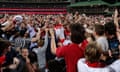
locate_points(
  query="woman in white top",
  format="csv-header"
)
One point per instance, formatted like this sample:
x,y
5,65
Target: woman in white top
x,y
91,62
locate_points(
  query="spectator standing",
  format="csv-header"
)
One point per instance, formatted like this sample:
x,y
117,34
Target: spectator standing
x,y
73,51
91,63
41,51
100,36
4,48
22,63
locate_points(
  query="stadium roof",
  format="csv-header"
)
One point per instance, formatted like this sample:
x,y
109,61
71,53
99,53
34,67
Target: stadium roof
x,y
89,3
116,4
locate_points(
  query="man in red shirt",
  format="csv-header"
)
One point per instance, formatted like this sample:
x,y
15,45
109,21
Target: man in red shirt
x,y
73,51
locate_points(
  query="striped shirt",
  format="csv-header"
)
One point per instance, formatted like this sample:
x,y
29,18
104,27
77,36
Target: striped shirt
x,y
22,43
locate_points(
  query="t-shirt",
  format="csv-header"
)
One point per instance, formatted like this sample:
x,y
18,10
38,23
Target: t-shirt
x,y
71,53
103,42
83,67
59,31
22,42
2,60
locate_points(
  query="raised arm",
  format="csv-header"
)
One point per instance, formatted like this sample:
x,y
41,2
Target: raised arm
x,y
46,40
37,36
116,23
8,26
117,26
116,18
53,44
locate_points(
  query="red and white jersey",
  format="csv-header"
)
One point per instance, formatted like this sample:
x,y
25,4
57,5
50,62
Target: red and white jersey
x,y
59,31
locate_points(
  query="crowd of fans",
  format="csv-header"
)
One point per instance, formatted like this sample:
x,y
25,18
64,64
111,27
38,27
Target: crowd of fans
x,y
59,43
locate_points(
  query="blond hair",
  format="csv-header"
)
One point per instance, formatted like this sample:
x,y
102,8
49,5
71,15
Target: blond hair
x,y
93,52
